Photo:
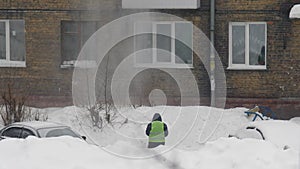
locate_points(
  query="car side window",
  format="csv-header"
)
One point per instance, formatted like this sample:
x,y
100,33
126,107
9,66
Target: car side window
x,y
26,133
61,132
13,132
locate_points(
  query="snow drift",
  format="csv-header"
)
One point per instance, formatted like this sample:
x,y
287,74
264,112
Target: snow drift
x,y
71,153
187,125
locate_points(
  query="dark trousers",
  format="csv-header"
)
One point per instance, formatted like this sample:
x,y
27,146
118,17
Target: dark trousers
x,y
154,144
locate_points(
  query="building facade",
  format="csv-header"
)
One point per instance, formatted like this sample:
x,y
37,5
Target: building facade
x,y
256,40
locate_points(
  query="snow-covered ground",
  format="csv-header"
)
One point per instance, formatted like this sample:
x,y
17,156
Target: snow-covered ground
x,y
198,138
188,126
295,120
70,153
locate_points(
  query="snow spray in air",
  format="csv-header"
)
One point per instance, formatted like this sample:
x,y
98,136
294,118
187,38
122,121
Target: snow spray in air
x,y
129,47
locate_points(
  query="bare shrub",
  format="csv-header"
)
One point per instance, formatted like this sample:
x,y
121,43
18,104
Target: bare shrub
x,y
30,115
96,118
101,114
13,106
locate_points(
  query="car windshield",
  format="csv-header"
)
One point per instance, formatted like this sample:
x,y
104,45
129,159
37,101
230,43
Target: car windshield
x,y
56,132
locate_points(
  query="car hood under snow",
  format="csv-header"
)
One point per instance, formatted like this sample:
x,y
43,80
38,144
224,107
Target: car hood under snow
x,y
279,132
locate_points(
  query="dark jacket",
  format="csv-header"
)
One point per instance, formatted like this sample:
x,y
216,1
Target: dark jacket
x,y
156,117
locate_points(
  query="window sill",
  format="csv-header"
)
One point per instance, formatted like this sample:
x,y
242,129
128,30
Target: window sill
x,y
87,64
247,68
65,66
173,66
5,63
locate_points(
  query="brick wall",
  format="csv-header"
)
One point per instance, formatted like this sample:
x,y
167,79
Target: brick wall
x,y
44,77
276,87
57,5
279,78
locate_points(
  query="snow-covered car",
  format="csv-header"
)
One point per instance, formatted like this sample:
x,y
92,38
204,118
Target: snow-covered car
x,y
38,129
284,134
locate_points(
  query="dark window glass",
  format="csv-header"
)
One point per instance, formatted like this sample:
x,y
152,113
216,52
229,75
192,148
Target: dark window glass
x,y
70,46
26,133
183,43
238,45
13,132
17,40
73,37
257,43
61,132
164,42
2,41
87,29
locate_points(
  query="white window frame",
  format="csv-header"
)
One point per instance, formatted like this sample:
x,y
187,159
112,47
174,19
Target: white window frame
x,y
7,62
246,66
172,64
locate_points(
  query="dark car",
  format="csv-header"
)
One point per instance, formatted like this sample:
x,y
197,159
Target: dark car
x,y
38,129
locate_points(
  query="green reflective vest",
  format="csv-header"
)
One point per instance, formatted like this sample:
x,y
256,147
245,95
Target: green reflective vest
x,y
157,134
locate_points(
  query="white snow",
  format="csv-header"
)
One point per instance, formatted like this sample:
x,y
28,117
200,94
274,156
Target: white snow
x,y
39,124
208,125
295,11
198,138
295,120
282,133
71,153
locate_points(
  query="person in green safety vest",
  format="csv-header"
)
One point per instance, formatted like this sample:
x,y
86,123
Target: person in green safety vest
x,y
157,131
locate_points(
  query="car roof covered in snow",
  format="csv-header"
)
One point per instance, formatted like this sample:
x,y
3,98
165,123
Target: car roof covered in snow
x,y
39,124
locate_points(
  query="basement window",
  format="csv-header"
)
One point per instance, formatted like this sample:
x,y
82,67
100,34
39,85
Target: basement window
x,y
12,43
247,45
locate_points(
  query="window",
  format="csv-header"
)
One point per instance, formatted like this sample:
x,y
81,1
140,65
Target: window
x,y
170,45
247,45
26,133
13,132
73,37
61,132
12,43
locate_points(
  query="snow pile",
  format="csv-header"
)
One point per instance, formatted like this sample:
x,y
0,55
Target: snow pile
x,y
280,132
195,141
295,11
71,153
188,126
295,120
